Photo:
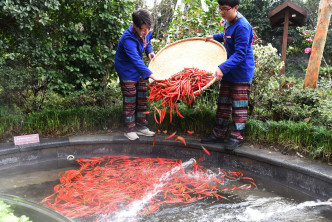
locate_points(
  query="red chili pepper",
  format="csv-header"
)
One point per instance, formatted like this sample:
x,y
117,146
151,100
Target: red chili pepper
x,y
253,184
170,136
181,86
206,151
102,184
155,118
200,159
246,178
190,132
177,111
154,141
181,139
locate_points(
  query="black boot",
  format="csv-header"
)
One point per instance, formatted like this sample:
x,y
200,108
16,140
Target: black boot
x,y
212,139
232,144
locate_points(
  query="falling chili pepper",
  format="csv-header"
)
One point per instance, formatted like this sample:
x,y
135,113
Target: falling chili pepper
x,y
155,118
181,139
170,136
154,141
177,111
206,151
190,132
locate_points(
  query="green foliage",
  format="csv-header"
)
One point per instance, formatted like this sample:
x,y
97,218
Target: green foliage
x,y
162,15
275,97
255,11
292,103
103,98
308,37
194,21
268,66
313,141
7,214
58,122
89,32
67,46
286,99
26,88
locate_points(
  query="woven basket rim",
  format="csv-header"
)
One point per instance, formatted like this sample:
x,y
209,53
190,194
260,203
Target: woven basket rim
x,y
189,39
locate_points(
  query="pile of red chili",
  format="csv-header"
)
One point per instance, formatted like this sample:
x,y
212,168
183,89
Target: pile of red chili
x,y
182,86
103,185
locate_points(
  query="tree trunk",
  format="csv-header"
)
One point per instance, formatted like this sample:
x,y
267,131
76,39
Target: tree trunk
x,y
324,17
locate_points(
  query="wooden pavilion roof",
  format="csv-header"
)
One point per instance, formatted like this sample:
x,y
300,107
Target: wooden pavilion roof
x,y
297,15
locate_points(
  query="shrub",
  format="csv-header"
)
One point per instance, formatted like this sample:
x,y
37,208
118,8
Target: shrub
x,y
194,21
268,66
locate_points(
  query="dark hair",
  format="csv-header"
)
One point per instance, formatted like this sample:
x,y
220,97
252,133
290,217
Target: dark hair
x,y
141,17
231,3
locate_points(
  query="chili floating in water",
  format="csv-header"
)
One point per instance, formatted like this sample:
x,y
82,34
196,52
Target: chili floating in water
x,y
104,184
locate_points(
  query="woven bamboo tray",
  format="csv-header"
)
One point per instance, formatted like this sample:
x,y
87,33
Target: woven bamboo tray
x,y
188,53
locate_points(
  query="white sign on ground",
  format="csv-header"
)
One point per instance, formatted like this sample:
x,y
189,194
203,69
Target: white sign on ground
x,y
26,139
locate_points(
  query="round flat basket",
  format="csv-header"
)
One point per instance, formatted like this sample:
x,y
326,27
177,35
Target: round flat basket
x,y
188,53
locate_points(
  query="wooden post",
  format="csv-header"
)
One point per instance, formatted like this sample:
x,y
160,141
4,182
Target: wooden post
x,y
284,41
324,17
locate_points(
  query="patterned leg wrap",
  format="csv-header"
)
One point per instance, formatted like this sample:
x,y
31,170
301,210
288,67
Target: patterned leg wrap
x,y
233,99
134,104
141,121
224,110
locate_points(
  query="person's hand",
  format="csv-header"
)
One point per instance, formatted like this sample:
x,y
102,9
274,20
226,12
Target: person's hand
x,y
155,78
218,74
151,55
208,37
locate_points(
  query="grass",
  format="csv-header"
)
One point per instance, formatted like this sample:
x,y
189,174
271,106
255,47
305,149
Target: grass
x,y
315,142
61,122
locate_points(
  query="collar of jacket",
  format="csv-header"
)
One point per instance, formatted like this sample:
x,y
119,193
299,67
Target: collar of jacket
x,y
227,23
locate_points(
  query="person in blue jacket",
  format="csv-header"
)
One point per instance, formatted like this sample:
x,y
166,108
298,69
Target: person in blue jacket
x,y
236,74
133,73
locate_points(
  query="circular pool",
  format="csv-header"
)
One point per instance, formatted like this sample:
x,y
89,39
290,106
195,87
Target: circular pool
x,y
288,188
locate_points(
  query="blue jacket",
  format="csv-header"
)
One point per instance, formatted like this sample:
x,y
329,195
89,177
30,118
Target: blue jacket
x,y
237,38
129,62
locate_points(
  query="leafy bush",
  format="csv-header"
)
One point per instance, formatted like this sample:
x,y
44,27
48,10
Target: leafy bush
x,y
26,88
109,97
7,214
268,66
65,46
194,21
275,97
